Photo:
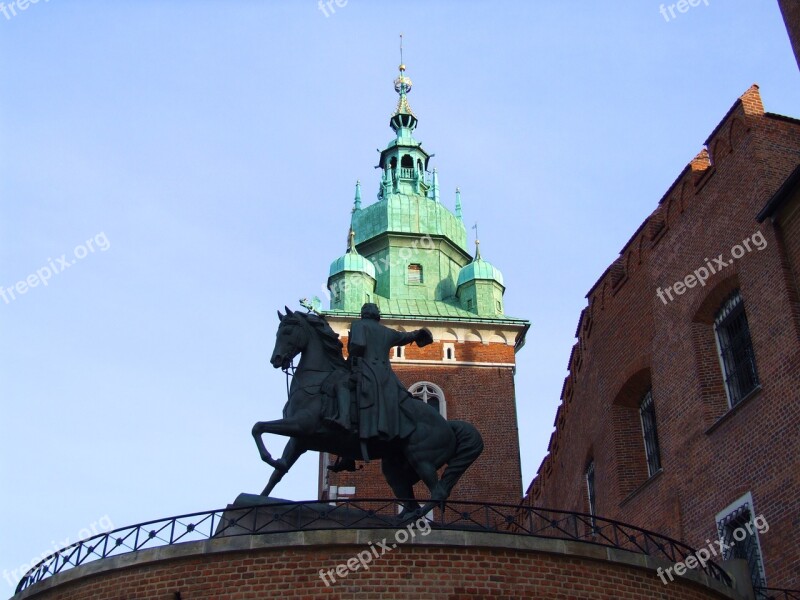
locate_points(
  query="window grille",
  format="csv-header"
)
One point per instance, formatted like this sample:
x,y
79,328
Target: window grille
x,y
739,537
647,412
590,491
735,349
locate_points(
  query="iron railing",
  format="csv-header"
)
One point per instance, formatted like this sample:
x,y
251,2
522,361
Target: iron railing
x,y
776,594
284,517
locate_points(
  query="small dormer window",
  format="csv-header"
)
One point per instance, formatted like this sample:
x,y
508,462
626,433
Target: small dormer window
x,y
414,273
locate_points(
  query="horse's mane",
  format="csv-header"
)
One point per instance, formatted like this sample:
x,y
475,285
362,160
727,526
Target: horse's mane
x,y
329,338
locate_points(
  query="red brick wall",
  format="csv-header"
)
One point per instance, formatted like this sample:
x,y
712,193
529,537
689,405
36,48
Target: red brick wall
x,y
788,222
492,352
629,339
454,573
791,16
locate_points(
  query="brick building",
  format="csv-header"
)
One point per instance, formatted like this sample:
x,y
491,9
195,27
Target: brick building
x,y
407,252
689,348
791,16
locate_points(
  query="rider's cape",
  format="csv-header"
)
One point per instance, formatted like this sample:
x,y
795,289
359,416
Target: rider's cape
x,y
379,392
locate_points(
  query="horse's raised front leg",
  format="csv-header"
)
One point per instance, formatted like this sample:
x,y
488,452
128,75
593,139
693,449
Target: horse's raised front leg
x,y
291,453
288,427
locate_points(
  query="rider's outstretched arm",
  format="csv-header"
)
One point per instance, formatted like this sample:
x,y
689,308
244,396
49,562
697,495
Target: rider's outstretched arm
x,y
421,336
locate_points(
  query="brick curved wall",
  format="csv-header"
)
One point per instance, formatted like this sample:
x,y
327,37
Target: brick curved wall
x,y
445,564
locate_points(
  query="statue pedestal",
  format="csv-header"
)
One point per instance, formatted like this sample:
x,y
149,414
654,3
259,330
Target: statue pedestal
x,y
253,514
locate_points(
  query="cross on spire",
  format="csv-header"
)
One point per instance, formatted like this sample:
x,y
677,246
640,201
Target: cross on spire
x,y
477,242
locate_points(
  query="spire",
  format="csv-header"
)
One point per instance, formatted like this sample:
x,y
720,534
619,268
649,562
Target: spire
x,y
477,244
403,116
351,242
435,186
458,205
357,201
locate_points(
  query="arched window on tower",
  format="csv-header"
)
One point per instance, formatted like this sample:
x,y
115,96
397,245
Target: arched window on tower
x,y
431,394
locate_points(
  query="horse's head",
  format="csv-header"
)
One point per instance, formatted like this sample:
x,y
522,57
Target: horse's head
x,y
292,338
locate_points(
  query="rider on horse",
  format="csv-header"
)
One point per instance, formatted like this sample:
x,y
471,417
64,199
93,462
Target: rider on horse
x,y
379,392
431,442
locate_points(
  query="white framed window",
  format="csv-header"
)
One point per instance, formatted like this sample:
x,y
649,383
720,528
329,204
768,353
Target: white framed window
x,y
431,394
449,352
737,528
399,353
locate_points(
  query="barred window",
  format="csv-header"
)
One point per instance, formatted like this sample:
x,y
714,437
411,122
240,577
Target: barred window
x,y
647,413
739,538
431,394
590,490
735,349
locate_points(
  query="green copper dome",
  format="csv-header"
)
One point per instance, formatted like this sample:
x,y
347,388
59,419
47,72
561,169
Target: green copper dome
x,y
479,269
412,258
352,262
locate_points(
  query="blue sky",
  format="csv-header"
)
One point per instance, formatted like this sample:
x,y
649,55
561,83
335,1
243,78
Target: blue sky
x,y
186,138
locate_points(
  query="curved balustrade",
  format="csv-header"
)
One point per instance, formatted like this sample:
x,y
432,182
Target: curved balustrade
x,y
278,517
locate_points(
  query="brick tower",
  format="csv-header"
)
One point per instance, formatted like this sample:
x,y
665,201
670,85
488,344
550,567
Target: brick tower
x,y
408,253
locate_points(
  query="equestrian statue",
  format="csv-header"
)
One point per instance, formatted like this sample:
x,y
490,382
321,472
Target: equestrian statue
x,y
359,410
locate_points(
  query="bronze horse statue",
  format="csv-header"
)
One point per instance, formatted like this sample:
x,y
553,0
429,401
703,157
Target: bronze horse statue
x,y
433,443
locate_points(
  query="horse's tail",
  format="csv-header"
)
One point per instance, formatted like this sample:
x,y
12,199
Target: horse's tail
x,y
469,445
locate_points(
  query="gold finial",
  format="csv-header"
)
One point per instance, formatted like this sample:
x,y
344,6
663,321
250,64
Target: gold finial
x,y
351,241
